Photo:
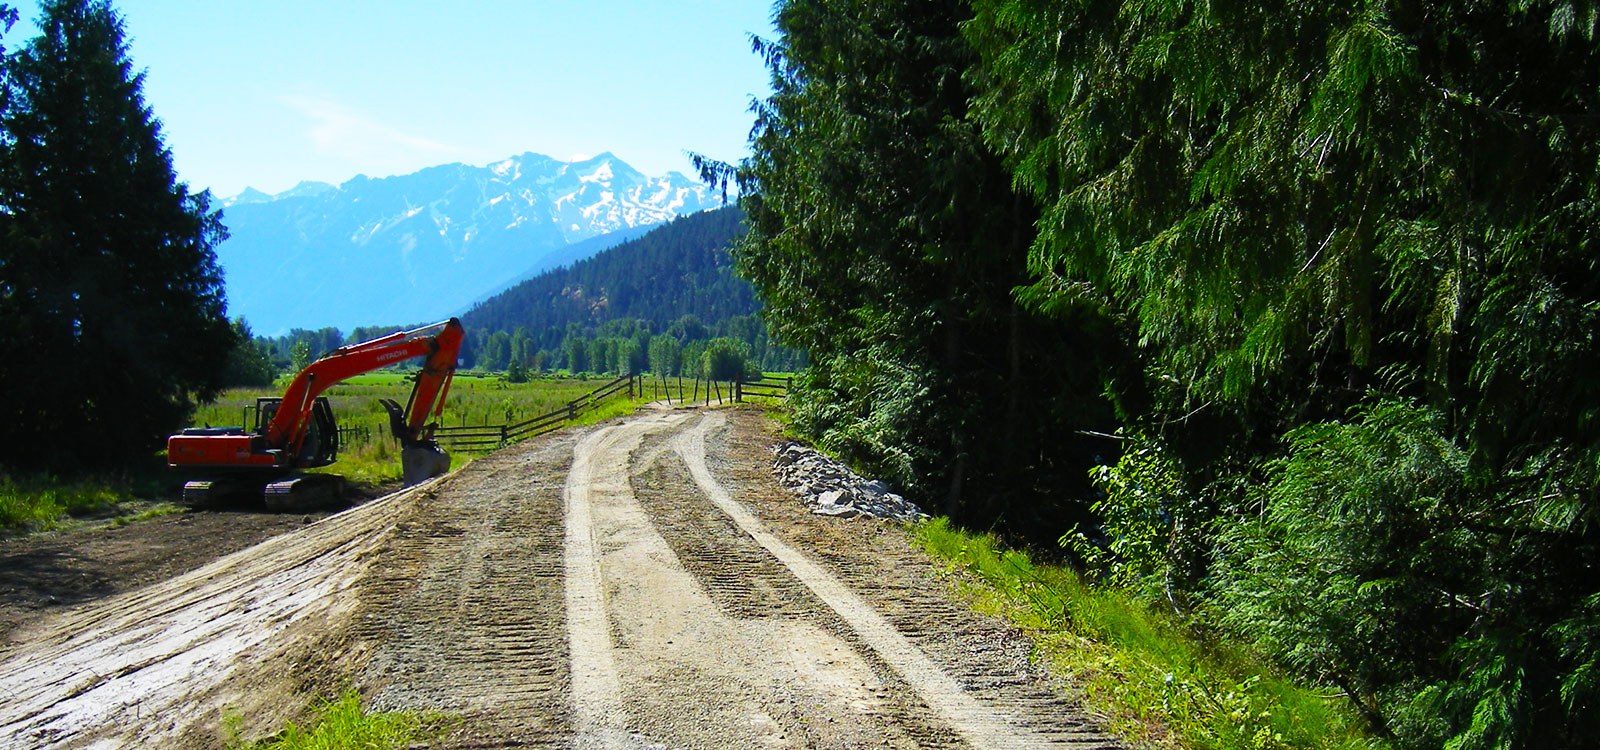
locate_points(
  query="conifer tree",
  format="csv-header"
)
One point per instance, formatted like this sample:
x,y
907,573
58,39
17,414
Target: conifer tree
x,y
109,275
885,239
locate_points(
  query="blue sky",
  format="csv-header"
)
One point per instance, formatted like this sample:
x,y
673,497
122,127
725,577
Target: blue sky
x,y
266,94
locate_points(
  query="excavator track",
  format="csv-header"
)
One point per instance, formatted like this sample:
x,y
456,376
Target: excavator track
x,y
211,493
304,492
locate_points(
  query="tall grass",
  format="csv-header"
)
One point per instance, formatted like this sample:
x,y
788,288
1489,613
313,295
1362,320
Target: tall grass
x,y
471,401
39,503
1161,684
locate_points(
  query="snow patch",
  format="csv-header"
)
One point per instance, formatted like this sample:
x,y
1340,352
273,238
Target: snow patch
x,y
602,174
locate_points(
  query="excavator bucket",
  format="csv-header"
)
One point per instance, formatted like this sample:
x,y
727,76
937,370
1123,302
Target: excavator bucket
x,y
421,462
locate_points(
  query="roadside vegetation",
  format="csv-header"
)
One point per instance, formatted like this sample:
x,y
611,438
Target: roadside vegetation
x,y
342,724
1160,681
40,503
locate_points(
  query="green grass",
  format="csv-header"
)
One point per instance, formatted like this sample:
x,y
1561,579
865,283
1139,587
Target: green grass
x,y
340,724
1160,683
153,510
39,504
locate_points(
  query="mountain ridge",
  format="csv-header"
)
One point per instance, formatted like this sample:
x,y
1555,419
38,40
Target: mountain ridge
x,y
425,245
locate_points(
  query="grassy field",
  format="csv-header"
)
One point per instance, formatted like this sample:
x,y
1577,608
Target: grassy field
x,y
368,454
473,400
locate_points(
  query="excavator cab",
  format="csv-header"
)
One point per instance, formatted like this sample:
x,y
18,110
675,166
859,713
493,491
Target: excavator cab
x,y
321,446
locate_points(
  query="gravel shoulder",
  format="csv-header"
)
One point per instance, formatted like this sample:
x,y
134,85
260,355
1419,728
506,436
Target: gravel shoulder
x,y
644,583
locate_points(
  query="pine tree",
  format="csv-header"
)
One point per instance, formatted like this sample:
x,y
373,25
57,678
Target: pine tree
x,y
109,275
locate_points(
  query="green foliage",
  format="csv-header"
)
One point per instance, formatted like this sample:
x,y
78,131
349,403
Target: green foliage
x,y
39,503
863,405
886,241
1157,680
250,362
724,359
338,724
1381,562
300,356
1356,247
666,355
107,269
1150,535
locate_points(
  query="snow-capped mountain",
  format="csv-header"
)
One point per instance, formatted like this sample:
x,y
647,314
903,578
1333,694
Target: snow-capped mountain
x,y
420,247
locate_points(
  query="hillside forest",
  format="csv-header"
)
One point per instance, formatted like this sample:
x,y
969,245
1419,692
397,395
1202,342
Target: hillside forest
x,y
1281,315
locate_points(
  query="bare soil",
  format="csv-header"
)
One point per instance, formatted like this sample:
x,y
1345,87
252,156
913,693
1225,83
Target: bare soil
x,y
46,573
644,583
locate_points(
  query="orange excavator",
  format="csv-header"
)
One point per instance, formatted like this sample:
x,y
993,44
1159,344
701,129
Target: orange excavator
x,y
297,430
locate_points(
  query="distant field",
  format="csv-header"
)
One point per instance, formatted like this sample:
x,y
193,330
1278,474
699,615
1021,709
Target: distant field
x,y
472,400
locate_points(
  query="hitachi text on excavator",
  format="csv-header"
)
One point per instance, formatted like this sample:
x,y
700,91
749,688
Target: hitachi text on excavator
x,y
297,431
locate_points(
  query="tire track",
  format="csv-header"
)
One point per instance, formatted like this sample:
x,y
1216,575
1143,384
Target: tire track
x,y
747,582
878,562
467,614
980,724
598,714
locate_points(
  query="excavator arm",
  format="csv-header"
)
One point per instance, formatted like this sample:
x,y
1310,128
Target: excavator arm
x,y
439,344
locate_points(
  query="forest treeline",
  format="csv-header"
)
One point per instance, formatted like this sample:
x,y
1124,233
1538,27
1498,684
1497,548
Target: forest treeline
x,y
617,346
670,292
1285,315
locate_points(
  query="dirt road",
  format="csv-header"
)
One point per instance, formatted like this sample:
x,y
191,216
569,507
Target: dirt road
x,y
641,584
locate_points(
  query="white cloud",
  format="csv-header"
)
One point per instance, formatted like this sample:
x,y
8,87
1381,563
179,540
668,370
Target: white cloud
x,y
345,134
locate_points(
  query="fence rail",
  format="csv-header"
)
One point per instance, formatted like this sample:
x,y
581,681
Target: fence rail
x,y
765,386
494,436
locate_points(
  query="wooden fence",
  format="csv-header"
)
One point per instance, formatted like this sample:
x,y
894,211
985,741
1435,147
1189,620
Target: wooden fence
x,y
677,390
485,437
672,390
765,386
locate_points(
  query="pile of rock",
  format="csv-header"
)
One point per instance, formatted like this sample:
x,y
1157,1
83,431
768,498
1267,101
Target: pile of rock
x,y
831,489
